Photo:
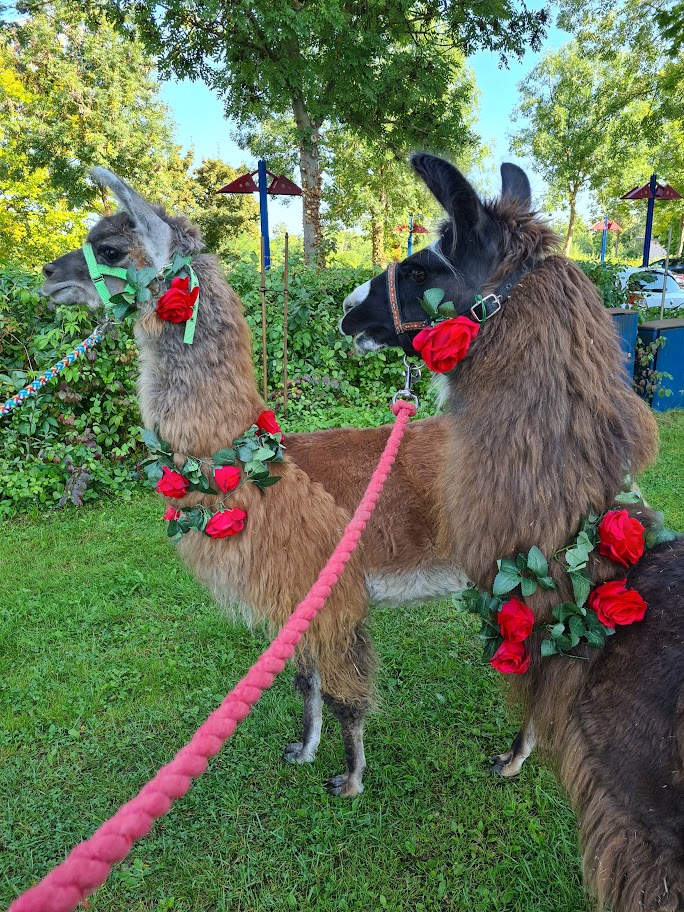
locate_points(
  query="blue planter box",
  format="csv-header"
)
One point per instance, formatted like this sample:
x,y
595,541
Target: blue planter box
x,y
626,322
669,358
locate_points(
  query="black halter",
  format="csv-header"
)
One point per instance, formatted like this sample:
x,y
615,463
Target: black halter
x,y
483,308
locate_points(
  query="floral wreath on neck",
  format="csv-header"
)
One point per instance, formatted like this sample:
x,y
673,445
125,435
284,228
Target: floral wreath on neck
x,y
178,304
225,471
595,612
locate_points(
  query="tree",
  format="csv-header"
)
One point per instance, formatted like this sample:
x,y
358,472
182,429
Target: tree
x,y
584,123
222,217
383,70
89,98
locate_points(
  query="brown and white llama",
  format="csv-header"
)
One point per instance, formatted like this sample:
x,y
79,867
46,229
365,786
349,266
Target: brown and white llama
x,y
543,430
200,397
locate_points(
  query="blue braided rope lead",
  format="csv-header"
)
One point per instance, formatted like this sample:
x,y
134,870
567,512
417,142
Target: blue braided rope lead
x,y
33,387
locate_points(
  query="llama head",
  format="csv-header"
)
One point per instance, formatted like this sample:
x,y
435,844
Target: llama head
x,y
466,260
138,235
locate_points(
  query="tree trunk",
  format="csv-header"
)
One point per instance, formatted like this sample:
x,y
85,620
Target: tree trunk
x,y
309,166
567,243
680,246
377,226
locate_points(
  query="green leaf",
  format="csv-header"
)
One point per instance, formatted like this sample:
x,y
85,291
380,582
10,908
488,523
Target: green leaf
x,y
566,610
659,536
557,630
628,497
245,451
546,582
223,457
146,275
577,627
536,562
595,639
266,482
447,308
431,300
172,528
548,648
506,580
581,585
521,562
150,439
528,586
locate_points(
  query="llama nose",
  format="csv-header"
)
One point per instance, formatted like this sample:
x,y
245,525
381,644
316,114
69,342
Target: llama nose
x,y
48,270
348,304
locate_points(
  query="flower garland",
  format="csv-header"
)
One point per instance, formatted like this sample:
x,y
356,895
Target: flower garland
x,y
179,304
446,342
260,444
594,613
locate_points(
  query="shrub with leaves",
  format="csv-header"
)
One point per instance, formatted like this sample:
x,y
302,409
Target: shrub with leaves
x,y
79,437
605,277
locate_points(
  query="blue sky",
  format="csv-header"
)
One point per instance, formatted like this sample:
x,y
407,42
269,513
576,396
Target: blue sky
x,y
202,126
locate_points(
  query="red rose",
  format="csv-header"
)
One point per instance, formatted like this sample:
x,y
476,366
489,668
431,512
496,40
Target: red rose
x,y
227,478
615,604
621,537
171,513
226,522
442,346
267,422
172,484
511,658
176,304
515,621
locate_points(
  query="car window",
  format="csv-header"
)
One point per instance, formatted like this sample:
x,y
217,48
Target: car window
x,y
645,280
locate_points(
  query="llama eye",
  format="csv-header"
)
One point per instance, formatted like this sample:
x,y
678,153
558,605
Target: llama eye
x,y
418,274
109,254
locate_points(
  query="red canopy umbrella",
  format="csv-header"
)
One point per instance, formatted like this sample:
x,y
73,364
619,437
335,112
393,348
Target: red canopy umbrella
x,y
601,226
417,229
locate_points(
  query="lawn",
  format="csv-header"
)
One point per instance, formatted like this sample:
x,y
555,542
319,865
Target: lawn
x,y
111,656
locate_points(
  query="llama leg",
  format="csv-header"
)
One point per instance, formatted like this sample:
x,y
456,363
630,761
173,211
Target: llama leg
x,y
510,763
308,683
350,716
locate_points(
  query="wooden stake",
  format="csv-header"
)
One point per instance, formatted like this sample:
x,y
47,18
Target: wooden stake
x,y
285,294
263,321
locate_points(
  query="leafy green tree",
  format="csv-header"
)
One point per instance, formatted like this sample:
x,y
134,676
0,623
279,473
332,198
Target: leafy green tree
x,y
584,123
221,216
89,98
382,70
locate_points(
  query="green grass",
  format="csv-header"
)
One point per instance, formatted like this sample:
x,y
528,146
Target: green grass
x,y
111,656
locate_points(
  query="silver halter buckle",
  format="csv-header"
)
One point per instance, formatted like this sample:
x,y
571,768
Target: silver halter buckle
x,y
482,307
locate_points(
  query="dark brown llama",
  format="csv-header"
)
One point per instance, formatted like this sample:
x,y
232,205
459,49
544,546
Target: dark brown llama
x,y
544,429
200,397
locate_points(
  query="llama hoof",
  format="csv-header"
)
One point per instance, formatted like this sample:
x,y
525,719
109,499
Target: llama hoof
x,y
297,753
344,786
506,765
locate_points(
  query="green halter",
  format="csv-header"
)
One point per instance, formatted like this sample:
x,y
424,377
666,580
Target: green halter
x,y
98,272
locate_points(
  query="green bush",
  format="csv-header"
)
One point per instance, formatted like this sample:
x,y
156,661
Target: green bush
x,y
604,276
78,438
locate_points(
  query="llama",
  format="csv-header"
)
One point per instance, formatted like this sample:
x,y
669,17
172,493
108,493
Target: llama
x,y
200,397
544,429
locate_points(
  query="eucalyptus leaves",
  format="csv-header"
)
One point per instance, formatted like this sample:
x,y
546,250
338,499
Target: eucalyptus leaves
x,y
224,472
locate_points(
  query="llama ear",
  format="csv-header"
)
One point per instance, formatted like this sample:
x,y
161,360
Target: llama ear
x,y
450,188
153,231
514,183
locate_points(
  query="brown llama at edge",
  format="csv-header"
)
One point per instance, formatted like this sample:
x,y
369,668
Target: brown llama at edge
x,y
200,397
544,429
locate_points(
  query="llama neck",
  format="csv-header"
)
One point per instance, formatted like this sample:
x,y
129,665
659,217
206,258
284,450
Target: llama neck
x,y
201,396
545,426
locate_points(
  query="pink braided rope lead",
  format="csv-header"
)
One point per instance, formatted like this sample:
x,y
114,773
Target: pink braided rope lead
x,y
88,865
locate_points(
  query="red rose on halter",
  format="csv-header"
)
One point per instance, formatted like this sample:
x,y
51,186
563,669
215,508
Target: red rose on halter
x,y
267,422
171,513
227,478
615,604
226,523
442,346
172,484
515,621
511,658
176,304
621,537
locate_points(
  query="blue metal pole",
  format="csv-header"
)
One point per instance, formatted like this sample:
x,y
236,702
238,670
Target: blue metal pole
x,y
410,237
649,220
263,210
603,239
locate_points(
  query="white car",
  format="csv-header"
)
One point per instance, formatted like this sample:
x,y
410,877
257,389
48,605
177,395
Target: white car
x,y
645,284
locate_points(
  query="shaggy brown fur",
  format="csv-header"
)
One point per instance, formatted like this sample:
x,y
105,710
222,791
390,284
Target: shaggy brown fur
x,y
200,397
544,430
